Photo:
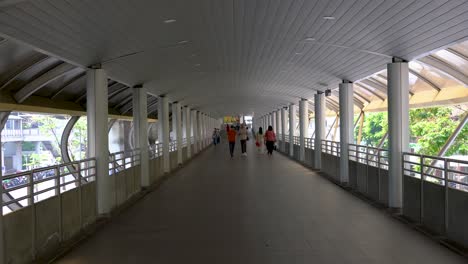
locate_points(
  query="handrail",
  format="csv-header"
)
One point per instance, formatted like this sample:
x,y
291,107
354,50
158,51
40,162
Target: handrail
x,y
29,187
331,147
309,143
122,160
439,170
368,155
155,151
296,140
173,146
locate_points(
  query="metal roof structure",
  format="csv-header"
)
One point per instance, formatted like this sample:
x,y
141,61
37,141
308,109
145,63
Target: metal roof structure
x,y
226,57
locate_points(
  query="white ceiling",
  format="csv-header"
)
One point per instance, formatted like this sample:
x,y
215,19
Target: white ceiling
x,y
242,56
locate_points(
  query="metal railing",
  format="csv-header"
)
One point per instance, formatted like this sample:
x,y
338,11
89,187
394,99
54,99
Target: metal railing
x,y
29,187
309,143
331,147
173,146
376,157
451,173
20,132
296,140
155,150
119,161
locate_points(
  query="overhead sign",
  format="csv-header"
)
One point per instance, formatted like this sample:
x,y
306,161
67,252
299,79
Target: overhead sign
x,y
231,119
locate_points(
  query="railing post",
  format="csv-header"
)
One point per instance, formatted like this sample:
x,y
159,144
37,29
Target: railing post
x,y
80,196
33,214
421,174
446,189
60,212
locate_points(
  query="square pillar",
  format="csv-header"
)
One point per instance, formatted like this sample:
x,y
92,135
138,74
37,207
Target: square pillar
x,y
188,131
278,122
163,116
98,137
346,90
292,122
199,131
273,121
319,100
398,128
178,130
195,131
283,129
303,126
140,126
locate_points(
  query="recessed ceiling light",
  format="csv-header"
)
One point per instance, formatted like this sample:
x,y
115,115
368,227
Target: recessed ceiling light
x,y
168,21
182,42
298,53
193,55
197,65
328,17
309,39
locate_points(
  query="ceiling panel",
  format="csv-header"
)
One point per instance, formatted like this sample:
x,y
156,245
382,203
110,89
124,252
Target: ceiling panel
x,y
236,56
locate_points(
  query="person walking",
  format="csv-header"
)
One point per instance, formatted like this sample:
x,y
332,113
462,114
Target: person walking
x,y
259,140
232,140
215,137
243,139
270,139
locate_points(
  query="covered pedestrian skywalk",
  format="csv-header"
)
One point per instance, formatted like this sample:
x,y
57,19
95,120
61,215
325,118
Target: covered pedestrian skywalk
x,y
107,110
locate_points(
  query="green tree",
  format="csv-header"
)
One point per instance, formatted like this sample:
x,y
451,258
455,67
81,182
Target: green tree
x,y
374,128
431,128
78,140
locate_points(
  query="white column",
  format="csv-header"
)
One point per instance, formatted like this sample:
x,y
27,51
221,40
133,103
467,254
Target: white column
x,y
272,118
164,117
2,242
195,131
140,126
188,131
283,128
319,128
199,131
292,122
98,142
273,122
346,127
398,128
278,122
178,114
205,130
303,126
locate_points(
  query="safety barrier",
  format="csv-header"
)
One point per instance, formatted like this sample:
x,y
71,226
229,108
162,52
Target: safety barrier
x,y
368,171
124,166
50,205
309,149
47,206
330,155
155,151
435,191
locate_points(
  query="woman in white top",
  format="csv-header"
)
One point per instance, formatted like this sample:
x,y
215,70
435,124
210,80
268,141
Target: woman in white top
x,y
243,139
259,141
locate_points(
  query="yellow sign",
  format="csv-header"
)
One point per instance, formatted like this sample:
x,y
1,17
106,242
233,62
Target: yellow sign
x,y
231,119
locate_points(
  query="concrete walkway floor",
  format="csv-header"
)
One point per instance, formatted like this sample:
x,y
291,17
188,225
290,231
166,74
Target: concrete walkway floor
x,y
255,210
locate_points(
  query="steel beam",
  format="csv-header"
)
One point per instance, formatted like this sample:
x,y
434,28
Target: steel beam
x,y
41,81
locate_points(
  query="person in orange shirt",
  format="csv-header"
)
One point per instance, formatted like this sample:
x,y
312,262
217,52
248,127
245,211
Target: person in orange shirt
x,y
232,140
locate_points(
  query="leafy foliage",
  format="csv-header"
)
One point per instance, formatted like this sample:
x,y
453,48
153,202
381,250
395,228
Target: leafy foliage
x,y
374,128
429,128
